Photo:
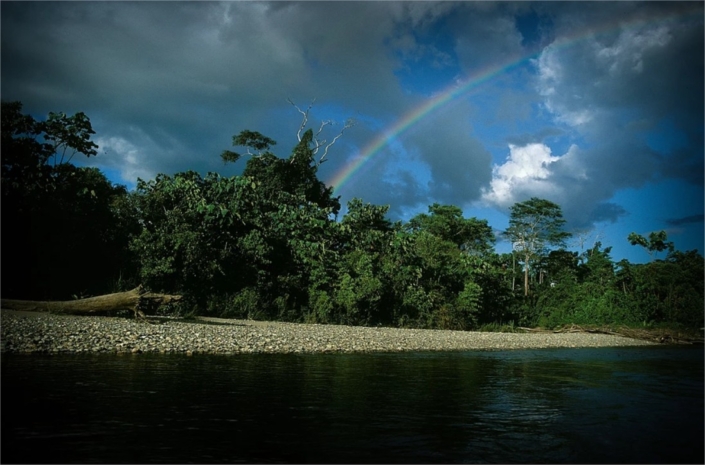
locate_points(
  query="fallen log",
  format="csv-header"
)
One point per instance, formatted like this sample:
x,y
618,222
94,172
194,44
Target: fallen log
x,y
533,330
137,300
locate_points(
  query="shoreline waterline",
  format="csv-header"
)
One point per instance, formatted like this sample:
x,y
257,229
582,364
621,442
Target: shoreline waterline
x,y
37,332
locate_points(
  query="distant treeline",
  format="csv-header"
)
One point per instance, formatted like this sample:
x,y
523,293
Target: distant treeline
x,y
269,244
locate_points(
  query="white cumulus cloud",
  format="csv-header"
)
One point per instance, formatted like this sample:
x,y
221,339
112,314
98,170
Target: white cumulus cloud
x,y
525,172
127,159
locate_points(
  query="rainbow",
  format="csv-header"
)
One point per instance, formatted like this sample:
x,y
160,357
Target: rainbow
x,y
456,90
413,117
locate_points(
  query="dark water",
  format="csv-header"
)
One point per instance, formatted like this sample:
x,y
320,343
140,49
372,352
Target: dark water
x,y
612,405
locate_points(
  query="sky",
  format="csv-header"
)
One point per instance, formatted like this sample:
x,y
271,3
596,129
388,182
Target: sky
x,y
596,106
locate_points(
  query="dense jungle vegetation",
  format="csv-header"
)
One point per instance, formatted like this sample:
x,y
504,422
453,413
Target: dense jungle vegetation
x,y
269,244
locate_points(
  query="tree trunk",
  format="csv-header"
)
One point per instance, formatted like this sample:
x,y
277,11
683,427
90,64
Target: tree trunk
x,y
135,301
526,275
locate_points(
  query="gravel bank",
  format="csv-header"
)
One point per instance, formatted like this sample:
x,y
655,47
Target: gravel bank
x,y
47,333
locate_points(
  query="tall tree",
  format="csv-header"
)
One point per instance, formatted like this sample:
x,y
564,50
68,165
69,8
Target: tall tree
x,y
71,225
533,225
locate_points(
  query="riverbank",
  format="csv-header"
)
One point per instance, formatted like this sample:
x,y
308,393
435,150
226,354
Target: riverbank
x,y
28,332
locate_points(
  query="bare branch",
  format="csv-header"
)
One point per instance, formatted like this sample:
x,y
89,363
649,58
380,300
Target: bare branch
x,y
323,124
349,123
598,236
319,143
72,154
304,121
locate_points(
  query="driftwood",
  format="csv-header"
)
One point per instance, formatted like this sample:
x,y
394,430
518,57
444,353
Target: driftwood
x,y
579,329
533,330
135,301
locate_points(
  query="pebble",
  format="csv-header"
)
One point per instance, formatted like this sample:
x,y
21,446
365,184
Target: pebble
x,y
51,333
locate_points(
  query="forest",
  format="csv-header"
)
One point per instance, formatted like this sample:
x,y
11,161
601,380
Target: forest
x,y
270,244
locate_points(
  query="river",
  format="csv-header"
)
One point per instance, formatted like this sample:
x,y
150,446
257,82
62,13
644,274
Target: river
x,y
608,405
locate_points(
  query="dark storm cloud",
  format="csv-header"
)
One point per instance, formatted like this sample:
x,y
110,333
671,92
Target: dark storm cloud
x,y
486,33
459,164
685,220
535,26
603,212
685,165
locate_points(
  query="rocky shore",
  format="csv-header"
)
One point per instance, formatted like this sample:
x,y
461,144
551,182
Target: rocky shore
x,y
28,332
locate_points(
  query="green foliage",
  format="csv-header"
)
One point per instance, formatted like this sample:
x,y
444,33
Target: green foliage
x,y
246,304
68,133
657,242
623,293
447,222
188,226
29,144
253,139
249,139
469,304
321,307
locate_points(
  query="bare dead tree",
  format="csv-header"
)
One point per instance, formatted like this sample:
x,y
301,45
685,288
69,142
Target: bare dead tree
x,y
584,236
319,143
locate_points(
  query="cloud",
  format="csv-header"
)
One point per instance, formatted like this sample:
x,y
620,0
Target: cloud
x,y
685,220
537,136
486,34
134,154
645,68
608,212
524,174
458,163
532,170
685,165
125,159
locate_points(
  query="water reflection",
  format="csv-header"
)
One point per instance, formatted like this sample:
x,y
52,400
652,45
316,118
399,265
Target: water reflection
x,y
588,405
